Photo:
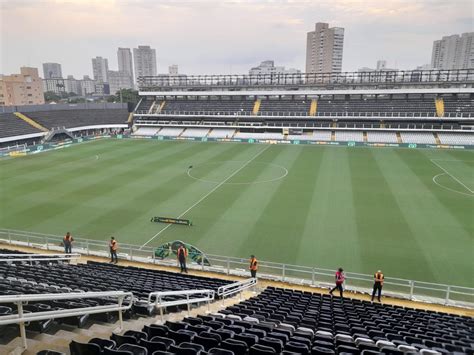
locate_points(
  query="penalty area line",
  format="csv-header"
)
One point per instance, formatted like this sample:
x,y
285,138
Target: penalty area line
x,y
209,193
452,176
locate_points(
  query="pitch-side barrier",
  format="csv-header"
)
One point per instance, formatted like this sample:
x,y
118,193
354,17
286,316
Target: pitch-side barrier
x,y
451,295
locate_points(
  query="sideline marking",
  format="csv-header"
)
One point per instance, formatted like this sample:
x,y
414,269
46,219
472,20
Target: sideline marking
x,y
448,188
244,183
208,193
452,176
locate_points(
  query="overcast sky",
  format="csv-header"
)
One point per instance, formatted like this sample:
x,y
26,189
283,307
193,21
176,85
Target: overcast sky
x,y
222,37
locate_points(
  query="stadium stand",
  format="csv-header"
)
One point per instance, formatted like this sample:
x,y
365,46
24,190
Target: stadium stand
x,y
350,136
282,321
10,125
221,133
284,106
417,137
195,132
456,138
381,137
79,118
330,106
221,106
170,131
103,277
146,131
252,135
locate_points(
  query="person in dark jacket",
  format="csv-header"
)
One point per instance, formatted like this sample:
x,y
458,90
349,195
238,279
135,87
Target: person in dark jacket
x,y
182,255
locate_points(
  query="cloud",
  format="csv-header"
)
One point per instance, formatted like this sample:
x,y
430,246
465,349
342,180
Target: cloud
x,y
222,36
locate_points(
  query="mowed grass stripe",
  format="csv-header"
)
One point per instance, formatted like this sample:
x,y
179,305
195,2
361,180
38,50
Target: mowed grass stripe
x,y
89,198
76,187
386,239
158,183
441,220
209,209
156,193
279,230
77,166
350,203
235,209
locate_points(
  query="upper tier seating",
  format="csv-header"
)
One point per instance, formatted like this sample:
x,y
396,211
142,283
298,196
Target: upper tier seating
x,y
463,105
79,118
374,107
284,106
381,137
224,106
282,321
145,105
417,137
415,107
10,126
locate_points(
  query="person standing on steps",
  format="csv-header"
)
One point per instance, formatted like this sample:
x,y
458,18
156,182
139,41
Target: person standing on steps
x,y
340,277
182,255
253,266
113,245
378,284
67,241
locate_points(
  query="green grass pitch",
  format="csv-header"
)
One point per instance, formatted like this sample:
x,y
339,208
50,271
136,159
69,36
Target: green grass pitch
x,y
408,212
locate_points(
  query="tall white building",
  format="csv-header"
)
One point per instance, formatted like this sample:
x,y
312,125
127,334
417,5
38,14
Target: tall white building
x,y
453,52
119,80
324,48
73,85
87,86
56,85
52,70
100,67
144,59
125,64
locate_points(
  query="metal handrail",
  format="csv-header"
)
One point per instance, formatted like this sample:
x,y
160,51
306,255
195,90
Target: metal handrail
x,y
298,274
21,317
236,287
38,257
158,302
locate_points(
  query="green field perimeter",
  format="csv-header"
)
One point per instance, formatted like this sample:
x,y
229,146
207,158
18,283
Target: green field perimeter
x,y
408,212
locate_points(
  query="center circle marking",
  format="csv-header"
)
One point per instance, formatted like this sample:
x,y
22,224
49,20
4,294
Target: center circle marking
x,y
283,173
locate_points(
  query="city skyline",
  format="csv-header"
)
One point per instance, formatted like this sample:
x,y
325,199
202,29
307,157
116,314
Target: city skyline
x,y
207,37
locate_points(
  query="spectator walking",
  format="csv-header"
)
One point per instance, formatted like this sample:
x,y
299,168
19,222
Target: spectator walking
x,y
378,284
113,250
67,242
340,277
182,255
253,266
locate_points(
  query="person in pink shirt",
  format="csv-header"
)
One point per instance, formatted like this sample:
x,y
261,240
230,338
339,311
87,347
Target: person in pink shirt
x,y
340,277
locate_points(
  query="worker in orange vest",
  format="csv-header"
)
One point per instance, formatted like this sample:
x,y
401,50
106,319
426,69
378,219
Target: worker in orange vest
x,y
113,245
378,283
67,242
253,266
182,255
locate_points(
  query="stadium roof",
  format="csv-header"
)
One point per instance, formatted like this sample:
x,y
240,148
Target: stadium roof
x,y
312,92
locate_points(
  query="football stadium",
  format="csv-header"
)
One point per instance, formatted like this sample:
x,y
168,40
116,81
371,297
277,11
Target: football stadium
x,y
223,208
307,172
